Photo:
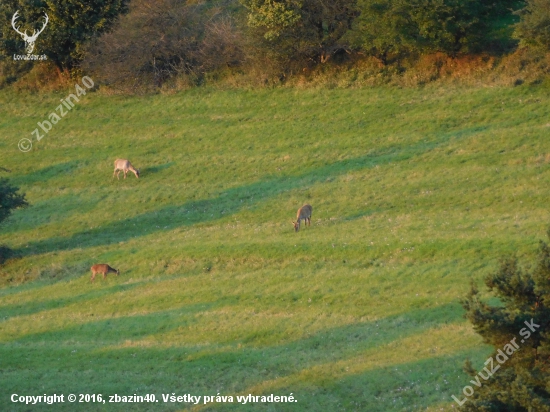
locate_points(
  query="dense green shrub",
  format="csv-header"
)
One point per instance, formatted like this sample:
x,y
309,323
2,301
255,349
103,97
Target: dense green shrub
x,y
10,199
521,381
388,27
533,28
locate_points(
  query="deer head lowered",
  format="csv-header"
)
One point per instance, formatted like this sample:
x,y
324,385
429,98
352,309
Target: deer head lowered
x,y
30,40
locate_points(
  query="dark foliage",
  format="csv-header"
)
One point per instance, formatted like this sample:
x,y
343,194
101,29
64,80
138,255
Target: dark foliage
x,y
9,199
5,253
521,382
71,24
291,30
390,27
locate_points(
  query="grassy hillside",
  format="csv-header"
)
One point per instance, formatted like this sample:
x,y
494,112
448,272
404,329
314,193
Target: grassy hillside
x,y
414,193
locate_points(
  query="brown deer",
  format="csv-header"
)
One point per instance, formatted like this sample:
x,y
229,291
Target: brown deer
x,y
304,213
103,269
124,166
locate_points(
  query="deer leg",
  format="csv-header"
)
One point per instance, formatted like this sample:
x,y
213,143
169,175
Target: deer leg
x,y
93,276
125,173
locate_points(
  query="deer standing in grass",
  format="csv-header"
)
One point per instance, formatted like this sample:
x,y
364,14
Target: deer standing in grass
x,y
304,213
124,166
103,269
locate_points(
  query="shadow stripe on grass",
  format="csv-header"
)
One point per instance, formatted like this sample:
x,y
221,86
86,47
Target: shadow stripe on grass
x,y
229,201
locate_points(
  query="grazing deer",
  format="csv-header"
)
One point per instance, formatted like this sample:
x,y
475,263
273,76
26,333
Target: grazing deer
x,y
304,213
29,40
124,166
103,269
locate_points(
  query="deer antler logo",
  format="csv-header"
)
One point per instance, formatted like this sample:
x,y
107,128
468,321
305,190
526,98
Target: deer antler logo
x,y
30,40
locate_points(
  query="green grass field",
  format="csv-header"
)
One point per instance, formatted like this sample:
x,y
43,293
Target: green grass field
x,y
414,193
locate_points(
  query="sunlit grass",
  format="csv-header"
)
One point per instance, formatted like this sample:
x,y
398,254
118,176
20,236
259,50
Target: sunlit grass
x,y
414,193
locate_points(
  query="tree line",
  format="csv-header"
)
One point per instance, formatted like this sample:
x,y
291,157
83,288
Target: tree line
x,y
150,41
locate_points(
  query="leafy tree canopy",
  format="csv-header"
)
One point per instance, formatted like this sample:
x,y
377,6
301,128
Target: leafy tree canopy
x,y
71,23
301,29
